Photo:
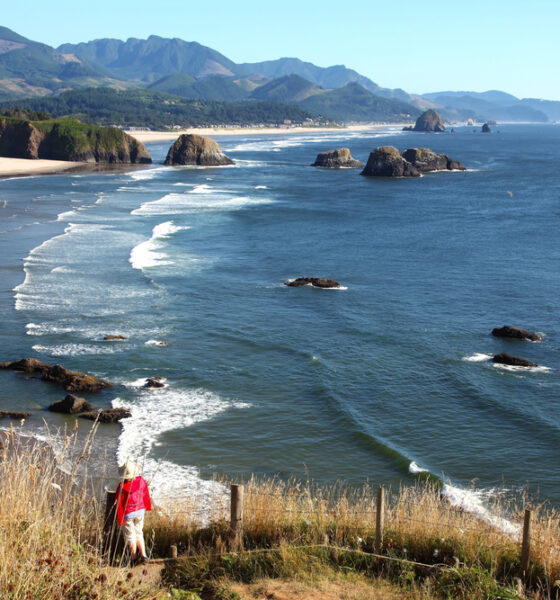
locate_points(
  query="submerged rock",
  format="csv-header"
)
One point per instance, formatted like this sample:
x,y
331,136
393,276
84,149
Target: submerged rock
x,y
110,337
337,159
72,381
14,414
319,282
191,149
508,331
109,415
507,359
386,161
71,405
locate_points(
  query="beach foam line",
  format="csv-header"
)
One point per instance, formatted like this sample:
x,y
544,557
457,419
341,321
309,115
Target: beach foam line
x,y
77,349
472,501
157,411
149,253
144,174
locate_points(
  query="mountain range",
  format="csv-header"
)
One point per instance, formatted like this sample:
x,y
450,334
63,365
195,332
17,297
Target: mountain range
x,y
191,70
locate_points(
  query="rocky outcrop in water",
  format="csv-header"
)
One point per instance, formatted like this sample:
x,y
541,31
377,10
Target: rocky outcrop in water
x,y
154,382
72,381
486,128
14,414
429,121
318,282
109,415
71,405
112,337
386,161
426,160
190,149
507,331
69,139
339,158
507,359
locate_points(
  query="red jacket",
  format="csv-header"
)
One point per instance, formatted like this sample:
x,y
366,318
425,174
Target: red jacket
x,y
132,496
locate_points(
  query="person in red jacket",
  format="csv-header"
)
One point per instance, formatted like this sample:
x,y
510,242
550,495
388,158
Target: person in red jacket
x,y
133,500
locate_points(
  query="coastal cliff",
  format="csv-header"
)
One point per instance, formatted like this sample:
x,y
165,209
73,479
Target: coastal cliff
x,y
70,140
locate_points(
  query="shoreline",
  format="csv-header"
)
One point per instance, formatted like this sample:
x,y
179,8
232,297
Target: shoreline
x,y
24,167
161,136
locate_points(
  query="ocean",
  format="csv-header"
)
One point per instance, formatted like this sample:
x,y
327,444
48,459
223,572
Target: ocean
x,y
375,382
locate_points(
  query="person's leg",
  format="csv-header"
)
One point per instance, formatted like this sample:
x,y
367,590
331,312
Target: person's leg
x,y
130,537
139,526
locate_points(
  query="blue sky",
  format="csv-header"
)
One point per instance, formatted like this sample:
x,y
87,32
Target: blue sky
x,y
418,46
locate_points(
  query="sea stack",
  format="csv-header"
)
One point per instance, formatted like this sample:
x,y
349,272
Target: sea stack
x,y
199,150
386,161
429,121
507,331
426,160
486,128
339,158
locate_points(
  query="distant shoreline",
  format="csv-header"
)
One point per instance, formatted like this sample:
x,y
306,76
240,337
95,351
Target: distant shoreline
x,y
24,167
161,136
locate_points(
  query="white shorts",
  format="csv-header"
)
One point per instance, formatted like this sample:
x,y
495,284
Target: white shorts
x,y
132,530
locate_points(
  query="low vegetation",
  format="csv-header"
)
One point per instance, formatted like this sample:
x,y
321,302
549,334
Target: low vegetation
x,y
299,541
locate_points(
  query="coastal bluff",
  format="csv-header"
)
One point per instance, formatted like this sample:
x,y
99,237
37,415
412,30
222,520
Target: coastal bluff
x,y
387,161
196,150
68,139
339,158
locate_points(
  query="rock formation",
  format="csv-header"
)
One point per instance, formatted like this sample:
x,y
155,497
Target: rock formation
x,y
69,139
319,282
429,121
190,149
508,331
336,159
72,381
109,415
111,337
386,161
14,414
71,405
486,128
154,382
507,359
425,160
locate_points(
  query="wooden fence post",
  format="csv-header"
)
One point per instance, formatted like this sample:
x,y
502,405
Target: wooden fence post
x,y
236,518
526,545
173,551
110,528
379,519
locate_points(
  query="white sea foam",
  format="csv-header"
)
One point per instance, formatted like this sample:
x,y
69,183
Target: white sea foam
x,y
61,269
76,349
414,469
517,369
477,357
149,253
261,187
160,343
473,501
166,409
143,174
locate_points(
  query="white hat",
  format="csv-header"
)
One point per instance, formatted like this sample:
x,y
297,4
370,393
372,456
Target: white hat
x,y
129,470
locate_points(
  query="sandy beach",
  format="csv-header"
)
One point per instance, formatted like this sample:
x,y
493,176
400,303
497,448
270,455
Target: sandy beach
x,y
20,167
161,136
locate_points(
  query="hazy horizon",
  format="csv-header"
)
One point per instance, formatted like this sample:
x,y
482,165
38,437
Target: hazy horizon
x,y
420,49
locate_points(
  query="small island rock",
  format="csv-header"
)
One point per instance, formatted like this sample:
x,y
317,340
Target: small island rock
x,y
190,149
109,415
429,121
486,128
507,359
426,160
14,414
318,282
337,159
508,331
154,382
71,405
72,381
386,161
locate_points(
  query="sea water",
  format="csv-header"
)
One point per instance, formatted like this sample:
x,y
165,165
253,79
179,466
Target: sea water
x,y
381,381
